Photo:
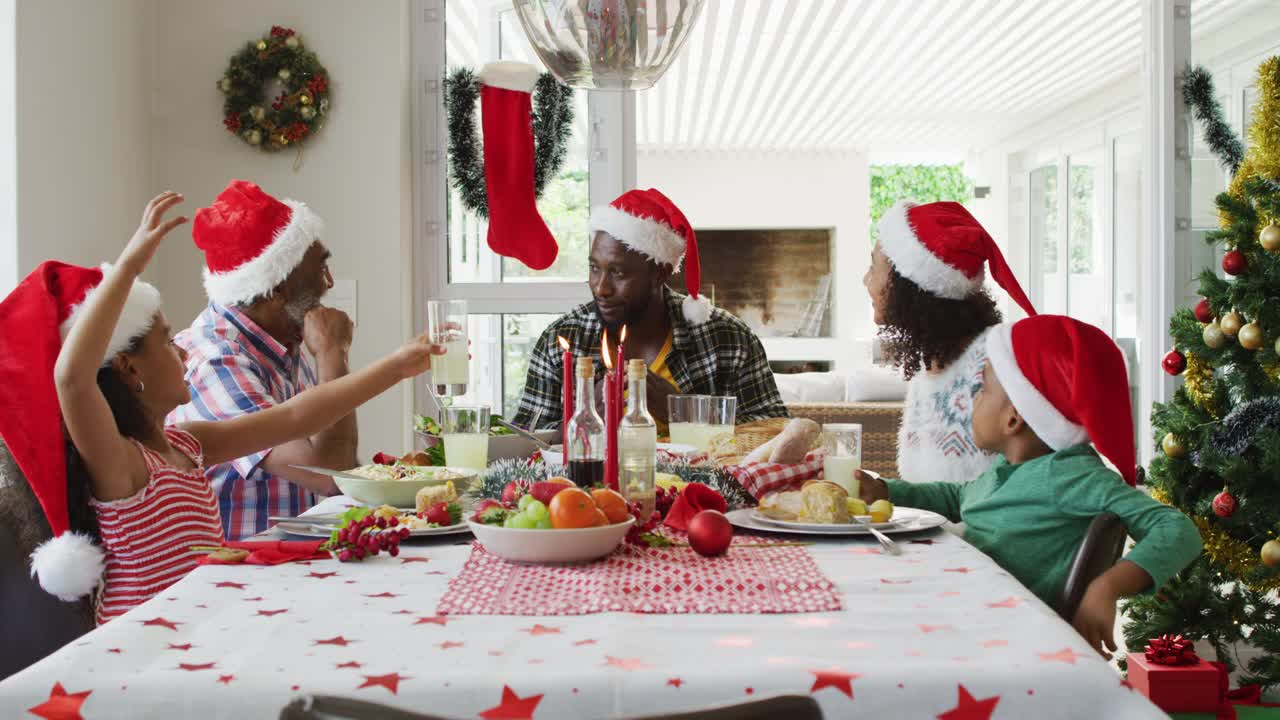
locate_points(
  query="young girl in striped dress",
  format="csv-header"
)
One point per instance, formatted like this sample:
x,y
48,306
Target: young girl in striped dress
x,y
117,376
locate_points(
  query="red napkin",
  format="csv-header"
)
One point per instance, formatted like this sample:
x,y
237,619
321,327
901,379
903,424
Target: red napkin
x,y
273,552
695,498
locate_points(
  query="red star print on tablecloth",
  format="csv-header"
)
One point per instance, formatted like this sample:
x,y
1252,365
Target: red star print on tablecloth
x,y
337,640
161,622
226,679
584,642
624,663
270,613
967,708
447,644
834,678
933,628
995,643
404,560
193,667
61,704
675,682
433,620
513,707
540,629
390,681
253,599
1066,655
184,647
958,570
348,664
1009,602
385,594
229,584
116,651
320,575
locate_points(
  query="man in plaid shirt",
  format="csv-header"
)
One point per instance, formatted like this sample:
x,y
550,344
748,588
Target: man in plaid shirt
x,y
266,272
640,240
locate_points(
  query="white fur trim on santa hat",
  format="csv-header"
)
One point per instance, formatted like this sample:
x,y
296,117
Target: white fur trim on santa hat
x,y
1049,424
655,240
68,566
136,318
899,242
509,75
696,310
262,274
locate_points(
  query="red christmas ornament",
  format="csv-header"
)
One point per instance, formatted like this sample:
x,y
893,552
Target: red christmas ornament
x,y
1224,504
1203,312
1174,362
1234,263
710,533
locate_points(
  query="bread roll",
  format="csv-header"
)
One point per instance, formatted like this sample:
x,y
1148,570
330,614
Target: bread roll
x,y
795,441
825,502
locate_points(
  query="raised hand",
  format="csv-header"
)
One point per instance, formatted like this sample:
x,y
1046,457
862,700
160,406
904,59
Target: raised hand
x,y
151,230
414,357
870,487
325,329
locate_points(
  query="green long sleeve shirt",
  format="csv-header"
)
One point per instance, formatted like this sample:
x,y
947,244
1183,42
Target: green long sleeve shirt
x,y
1031,517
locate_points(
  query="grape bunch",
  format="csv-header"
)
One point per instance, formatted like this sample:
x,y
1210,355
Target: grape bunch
x,y
530,514
363,534
642,526
665,499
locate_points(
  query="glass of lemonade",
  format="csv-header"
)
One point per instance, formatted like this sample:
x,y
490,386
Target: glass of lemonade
x,y
689,420
723,414
447,326
465,432
843,445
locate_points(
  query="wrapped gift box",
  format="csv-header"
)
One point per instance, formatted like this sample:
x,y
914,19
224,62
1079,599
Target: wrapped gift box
x,y
1176,688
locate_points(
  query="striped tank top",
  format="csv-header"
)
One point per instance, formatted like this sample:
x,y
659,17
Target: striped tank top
x,y
147,537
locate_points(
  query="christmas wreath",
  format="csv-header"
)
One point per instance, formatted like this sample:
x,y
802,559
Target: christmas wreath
x,y
292,116
552,125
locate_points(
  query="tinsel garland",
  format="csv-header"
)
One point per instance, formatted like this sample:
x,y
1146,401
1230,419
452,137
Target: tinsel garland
x,y
526,472
1198,381
1239,429
552,126
1263,159
1236,558
1198,94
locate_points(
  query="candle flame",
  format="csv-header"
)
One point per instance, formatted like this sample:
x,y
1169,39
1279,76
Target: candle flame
x,y
563,343
604,350
623,337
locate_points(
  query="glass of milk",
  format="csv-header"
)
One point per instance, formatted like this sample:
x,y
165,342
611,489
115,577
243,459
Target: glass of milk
x,y
447,326
843,445
689,420
465,432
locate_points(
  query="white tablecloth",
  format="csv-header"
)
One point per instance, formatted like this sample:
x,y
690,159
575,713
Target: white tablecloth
x,y
937,628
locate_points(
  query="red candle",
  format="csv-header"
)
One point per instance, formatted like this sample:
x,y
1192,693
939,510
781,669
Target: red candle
x,y
567,381
619,371
612,415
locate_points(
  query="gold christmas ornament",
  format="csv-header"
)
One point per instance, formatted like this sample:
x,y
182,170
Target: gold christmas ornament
x,y
1172,446
224,84
257,112
1231,323
253,137
262,45
291,42
1251,336
304,99
307,112
1213,336
1269,238
1271,553
284,74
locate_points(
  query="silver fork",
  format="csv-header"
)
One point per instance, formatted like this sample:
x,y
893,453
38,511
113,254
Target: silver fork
x,y
888,544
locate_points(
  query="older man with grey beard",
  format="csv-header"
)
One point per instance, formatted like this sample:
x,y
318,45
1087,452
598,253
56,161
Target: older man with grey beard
x,y
266,272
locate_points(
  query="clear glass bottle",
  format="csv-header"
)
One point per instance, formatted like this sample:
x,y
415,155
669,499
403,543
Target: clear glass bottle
x,y
585,454
637,443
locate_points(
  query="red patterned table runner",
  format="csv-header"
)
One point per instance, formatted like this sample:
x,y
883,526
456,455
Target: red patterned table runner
x,y
780,579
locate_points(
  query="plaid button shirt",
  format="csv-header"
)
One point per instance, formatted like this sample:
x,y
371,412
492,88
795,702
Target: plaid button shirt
x,y
719,357
235,367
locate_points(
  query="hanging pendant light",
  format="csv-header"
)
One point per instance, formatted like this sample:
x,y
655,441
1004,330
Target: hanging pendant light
x,y
608,44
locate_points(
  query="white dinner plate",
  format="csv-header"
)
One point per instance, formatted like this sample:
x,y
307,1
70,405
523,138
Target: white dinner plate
x,y
905,520
305,529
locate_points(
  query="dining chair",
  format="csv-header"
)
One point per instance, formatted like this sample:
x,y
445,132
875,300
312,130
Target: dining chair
x,y
331,707
33,623
1101,548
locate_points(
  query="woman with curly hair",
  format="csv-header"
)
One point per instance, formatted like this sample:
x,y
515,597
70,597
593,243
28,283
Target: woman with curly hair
x,y
925,283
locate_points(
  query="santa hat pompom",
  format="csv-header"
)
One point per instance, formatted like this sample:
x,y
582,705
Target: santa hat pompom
x,y
697,310
68,566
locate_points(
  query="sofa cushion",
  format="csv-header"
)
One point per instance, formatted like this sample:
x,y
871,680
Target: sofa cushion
x,y
875,383
816,387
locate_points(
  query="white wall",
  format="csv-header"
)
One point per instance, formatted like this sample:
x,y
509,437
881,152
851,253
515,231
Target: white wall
x,y
354,173
730,190
81,113
8,148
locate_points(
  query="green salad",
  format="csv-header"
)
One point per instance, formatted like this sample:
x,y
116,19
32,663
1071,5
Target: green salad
x,y
428,426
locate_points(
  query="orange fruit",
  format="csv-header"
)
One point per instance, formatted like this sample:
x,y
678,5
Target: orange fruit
x,y
562,481
574,508
611,503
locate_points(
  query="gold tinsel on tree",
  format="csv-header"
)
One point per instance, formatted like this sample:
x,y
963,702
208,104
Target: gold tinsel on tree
x,y
1198,379
1234,556
1263,158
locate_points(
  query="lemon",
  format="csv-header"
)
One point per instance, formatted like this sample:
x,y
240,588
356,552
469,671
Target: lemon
x,y
856,506
880,511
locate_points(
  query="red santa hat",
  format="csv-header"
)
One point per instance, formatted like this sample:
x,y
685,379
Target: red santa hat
x,y
42,310
1067,379
649,223
251,241
943,249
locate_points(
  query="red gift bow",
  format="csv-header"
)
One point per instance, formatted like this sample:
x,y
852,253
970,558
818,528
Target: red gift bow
x,y
1171,650
695,498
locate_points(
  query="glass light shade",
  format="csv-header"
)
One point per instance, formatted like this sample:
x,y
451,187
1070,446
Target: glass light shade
x,y
608,44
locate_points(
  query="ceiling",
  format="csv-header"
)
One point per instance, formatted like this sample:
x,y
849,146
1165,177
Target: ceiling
x,y
867,74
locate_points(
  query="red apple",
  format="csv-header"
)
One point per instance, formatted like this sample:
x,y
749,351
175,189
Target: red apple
x,y
710,533
545,490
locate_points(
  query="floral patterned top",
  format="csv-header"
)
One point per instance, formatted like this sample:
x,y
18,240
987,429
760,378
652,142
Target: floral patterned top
x,y
935,440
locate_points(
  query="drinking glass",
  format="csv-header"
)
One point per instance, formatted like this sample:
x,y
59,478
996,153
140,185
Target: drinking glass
x,y
465,432
843,445
723,414
447,326
689,420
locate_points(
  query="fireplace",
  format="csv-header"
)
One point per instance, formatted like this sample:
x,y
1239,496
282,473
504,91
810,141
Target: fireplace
x,y
777,281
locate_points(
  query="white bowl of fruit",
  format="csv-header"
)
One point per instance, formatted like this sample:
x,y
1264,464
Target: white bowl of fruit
x,y
553,522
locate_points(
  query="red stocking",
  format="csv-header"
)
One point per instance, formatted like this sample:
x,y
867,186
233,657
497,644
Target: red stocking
x,y
516,229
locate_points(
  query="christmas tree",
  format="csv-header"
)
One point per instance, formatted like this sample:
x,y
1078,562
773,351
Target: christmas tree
x,y
1219,437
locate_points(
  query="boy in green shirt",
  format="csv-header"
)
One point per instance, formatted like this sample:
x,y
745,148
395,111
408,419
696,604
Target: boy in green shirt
x,y
1051,385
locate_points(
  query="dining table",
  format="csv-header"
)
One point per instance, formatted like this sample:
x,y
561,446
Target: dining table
x,y
938,631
